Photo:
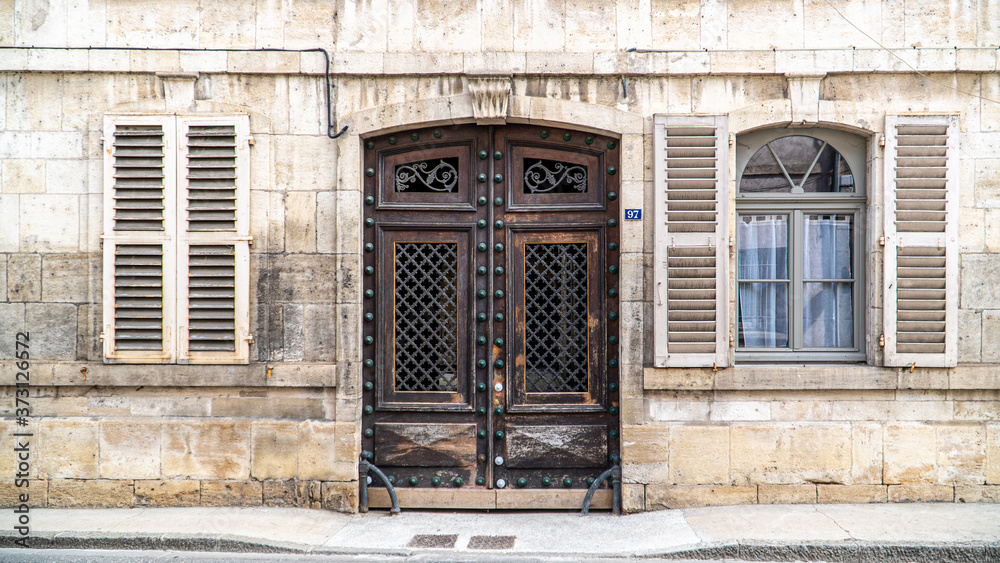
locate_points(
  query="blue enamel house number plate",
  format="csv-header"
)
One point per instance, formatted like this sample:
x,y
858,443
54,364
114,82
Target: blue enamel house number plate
x,y
633,214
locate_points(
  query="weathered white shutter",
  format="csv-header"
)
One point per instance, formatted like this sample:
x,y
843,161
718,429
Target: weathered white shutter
x,y
139,238
691,253
213,202
921,246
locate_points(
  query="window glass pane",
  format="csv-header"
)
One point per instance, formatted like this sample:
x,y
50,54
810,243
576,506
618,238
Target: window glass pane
x,y
763,313
428,176
554,177
828,315
830,174
796,154
763,247
828,247
762,174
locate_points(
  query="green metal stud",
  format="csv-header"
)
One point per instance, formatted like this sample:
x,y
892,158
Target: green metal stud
x,y
589,140
498,201
481,177
615,458
392,479
482,247
613,433
482,433
369,222
413,481
483,155
369,270
481,270
498,294
612,292
481,340
613,386
497,155
480,480
498,341
369,317
498,434
437,133
612,363
498,410
458,481
613,410
590,481
498,224
612,246
369,386
612,316
498,247
612,171
370,200
522,482
613,269
612,145
414,136
481,410
369,247
498,317
481,387
369,433
546,481
612,222
498,363
482,201
567,482
392,140
567,136
498,270
481,363
436,481
369,363
481,317
481,223
368,455
370,172
481,293
612,196
370,145
369,294
544,134
369,409
612,340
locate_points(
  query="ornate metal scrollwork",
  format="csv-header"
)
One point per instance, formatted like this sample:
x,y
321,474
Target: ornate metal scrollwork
x,y
428,175
544,176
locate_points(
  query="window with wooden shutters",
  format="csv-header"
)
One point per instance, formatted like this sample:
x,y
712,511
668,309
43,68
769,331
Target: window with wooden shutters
x,y
691,327
176,265
921,248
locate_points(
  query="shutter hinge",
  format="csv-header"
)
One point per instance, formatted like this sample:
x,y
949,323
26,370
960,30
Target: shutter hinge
x,y
732,241
251,141
881,341
248,338
101,337
881,141
881,240
248,238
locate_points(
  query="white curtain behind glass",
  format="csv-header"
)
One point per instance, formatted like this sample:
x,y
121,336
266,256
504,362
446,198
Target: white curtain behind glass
x,y
763,255
828,308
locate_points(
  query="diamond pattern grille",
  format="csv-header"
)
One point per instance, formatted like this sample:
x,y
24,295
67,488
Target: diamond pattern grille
x,y
426,316
555,311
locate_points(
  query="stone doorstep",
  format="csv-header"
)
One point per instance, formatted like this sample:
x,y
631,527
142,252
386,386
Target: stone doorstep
x,y
487,499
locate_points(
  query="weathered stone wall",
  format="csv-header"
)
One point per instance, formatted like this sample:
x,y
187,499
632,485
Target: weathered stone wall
x,y
284,429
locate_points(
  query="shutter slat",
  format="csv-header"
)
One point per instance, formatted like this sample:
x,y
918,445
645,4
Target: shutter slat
x,y
137,153
212,298
138,297
921,182
211,173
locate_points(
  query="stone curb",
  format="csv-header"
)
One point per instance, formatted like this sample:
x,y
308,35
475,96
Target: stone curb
x,y
973,552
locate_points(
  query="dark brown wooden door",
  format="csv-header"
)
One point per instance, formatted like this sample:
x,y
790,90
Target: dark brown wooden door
x,y
490,306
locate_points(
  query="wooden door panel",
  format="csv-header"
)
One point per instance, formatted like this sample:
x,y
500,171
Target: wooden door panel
x,y
564,446
425,445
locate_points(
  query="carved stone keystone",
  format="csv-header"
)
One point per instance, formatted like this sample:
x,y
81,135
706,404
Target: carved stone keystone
x,y
489,99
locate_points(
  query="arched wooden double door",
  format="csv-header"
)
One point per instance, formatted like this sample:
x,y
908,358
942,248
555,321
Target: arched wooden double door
x,y
490,307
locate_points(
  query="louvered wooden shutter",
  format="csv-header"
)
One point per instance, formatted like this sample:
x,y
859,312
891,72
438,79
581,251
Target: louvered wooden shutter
x,y
691,256
921,246
139,239
213,199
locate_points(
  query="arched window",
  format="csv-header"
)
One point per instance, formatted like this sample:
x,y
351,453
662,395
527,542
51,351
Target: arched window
x,y
800,207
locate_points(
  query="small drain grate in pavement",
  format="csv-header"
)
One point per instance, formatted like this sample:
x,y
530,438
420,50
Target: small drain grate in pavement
x,y
492,542
440,541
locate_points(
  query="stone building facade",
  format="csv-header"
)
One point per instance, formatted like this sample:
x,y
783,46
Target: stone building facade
x,y
902,405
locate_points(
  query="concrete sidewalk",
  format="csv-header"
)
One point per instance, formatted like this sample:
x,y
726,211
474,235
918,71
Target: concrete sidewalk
x,y
904,532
